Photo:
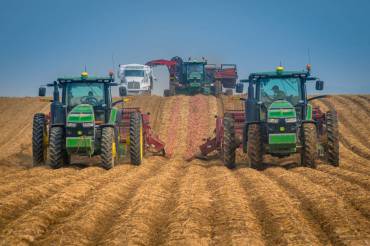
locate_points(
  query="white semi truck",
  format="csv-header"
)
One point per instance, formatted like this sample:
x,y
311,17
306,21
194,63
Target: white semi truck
x,y
137,78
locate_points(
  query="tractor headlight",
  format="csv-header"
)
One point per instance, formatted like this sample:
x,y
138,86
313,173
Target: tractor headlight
x,y
71,124
273,120
291,120
87,124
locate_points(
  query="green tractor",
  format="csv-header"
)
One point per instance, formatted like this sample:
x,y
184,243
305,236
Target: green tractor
x,y
278,120
85,121
193,76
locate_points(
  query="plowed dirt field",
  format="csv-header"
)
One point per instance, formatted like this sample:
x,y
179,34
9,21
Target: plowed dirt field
x,y
174,202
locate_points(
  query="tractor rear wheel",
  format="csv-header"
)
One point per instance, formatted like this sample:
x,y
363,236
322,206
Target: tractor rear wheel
x,y
39,139
254,146
136,139
56,151
332,145
309,141
108,148
228,150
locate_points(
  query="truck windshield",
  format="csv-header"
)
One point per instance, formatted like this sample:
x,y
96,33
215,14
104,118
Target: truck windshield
x,y
273,89
134,73
85,93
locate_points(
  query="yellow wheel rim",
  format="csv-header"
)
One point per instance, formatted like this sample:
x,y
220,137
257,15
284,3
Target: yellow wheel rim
x,y
141,142
114,150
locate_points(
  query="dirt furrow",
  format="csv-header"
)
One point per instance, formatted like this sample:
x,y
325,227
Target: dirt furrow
x,y
356,178
347,125
360,102
32,179
233,220
281,219
13,205
350,114
137,223
34,222
189,220
89,222
342,223
356,195
347,136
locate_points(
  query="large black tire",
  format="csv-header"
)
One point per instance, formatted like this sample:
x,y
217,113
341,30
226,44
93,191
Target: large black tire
x,y
255,146
107,148
56,150
218,88
136,139
39,139
172,89
332,145
309,142
166,93
229,146
229,92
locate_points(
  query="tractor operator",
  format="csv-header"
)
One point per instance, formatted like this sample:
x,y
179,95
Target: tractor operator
x,y
278,94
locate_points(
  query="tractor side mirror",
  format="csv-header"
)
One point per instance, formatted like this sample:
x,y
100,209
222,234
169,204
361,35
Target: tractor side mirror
x,y
42,91
122,91
239,88
319,85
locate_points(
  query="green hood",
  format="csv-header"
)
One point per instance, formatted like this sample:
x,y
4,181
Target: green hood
x,y
81,113
281,109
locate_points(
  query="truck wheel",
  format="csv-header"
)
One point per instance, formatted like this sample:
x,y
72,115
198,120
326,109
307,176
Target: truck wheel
x,y
309,141
108,148
56,151
254,146
229,143
332,146
166,93
136,139
218,88
39,139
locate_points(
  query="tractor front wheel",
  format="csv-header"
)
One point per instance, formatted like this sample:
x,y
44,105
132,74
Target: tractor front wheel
x,y
136,139
39,139
229,143
218,88
254,146
332,145
309,141
108,148
56,152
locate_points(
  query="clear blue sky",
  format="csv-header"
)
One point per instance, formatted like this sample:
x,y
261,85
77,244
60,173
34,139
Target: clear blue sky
x,y
42,39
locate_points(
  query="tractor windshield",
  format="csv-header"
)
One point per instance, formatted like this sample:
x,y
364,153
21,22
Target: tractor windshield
x,y
273,89
134,73
85,93
195,71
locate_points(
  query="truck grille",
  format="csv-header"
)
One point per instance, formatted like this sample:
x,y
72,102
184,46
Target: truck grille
x,y
133,85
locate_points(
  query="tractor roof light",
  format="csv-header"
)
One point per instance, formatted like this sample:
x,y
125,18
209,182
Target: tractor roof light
x,y
308,67
84,75
279,69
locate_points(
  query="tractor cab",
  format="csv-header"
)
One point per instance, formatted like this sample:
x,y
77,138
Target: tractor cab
x,y
195,71
84,90
279,91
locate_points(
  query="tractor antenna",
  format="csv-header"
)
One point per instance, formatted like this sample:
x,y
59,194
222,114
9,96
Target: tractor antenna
x,y
85,68
113,64
309,55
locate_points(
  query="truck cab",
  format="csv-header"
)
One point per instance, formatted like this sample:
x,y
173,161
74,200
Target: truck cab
x,y
137,78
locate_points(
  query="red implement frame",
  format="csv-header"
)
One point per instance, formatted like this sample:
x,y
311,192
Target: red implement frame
x,y
215,143
151,141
